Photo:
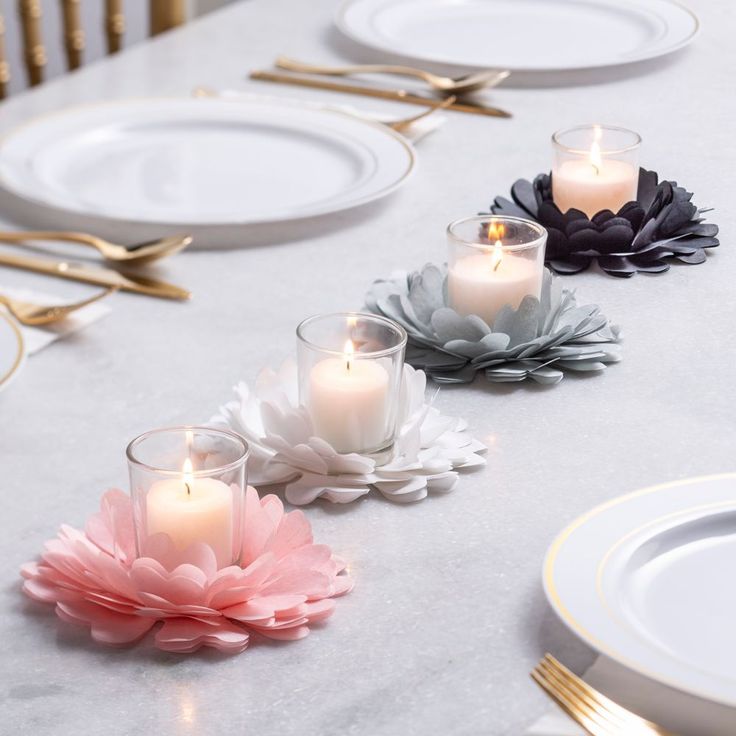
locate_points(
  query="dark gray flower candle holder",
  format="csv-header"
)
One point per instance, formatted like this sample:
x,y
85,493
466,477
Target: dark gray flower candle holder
x,y
662,224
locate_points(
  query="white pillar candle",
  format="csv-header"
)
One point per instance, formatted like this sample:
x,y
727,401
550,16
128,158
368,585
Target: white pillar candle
x,y
594,184
348,402
577,184
191,510
483,283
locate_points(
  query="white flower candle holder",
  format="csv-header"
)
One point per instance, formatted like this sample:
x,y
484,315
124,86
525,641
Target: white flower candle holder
x,y
493,262
187,486
350,368
595,168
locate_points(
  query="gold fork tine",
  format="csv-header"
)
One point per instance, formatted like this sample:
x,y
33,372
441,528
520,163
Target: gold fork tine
x,y
598,715
606,711
569,704
615,713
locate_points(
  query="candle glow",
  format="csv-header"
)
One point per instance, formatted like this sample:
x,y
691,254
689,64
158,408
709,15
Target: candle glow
x,y
496,231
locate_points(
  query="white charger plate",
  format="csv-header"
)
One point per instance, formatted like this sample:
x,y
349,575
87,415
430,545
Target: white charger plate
x,y
12,352
183,162
520,35
647,579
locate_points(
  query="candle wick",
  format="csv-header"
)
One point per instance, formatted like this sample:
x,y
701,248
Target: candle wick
x,y
189,490
497,264
596,169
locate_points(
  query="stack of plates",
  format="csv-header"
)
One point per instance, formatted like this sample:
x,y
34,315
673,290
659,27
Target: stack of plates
x,y
647,579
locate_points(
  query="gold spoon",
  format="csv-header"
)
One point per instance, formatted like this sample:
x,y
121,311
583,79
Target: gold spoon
x,y
31,314
132,254
447,85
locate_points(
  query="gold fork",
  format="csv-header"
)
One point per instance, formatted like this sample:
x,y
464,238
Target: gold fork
x,y
596,713
31,314
447,85
401,126
131,254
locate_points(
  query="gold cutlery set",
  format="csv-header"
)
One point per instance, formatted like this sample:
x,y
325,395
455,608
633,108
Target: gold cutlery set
x,y
446,93
310,75
449,94
110,278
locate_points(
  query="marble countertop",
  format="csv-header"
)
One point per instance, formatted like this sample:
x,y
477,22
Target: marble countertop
x,y
448,614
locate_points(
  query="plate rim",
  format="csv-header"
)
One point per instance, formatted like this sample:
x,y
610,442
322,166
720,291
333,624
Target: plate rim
x,y
339,19
20,356
564,614
383,129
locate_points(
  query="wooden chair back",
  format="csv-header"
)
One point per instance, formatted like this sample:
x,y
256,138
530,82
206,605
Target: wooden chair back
x,y
163,15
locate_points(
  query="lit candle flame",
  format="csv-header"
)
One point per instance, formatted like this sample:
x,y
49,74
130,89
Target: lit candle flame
x,y
188,471
349,352
496,231
595,149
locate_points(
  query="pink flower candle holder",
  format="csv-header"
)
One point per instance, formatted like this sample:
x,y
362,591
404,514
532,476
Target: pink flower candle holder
x,y
95,578
187,488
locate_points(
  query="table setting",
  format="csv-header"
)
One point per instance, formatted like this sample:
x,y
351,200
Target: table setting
x,y
364,371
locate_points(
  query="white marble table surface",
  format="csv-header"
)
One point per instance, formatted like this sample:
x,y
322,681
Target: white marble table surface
x,y
448,613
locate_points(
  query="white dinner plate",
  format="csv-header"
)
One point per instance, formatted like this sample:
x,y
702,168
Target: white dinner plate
x,y
183,162
12,352
648,579
520,35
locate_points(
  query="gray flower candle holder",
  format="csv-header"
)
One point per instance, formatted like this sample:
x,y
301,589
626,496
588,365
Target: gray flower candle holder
x,y
540,340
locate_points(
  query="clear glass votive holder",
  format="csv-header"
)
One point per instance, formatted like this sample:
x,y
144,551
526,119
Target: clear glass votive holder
x,y
595,167
188,486
350,372
493,262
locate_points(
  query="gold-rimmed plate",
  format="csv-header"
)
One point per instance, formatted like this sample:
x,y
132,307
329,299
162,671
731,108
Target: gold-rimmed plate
x,y
647,579
539,36
182,163
12,351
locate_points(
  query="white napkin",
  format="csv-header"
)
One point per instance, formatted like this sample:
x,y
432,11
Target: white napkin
x,y
680,713
37,338
415,132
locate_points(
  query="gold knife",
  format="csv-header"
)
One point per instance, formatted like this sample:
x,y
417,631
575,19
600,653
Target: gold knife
x,y
96,275
399,95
